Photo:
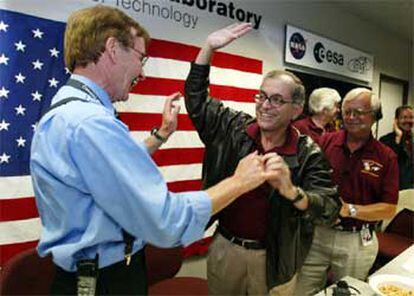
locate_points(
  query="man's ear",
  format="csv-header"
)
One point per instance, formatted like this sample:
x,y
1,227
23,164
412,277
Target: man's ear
x,y
111,47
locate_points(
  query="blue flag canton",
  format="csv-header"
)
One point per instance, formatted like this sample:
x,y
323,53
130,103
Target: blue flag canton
x,y
31,72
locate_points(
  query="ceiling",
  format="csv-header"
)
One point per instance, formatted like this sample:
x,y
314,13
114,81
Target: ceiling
x,y
394,16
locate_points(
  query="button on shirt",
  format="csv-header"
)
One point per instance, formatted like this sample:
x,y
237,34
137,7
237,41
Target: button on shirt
x,y
91,180
366,176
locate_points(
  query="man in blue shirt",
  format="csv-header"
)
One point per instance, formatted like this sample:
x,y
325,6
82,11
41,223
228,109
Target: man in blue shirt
x,y
100,196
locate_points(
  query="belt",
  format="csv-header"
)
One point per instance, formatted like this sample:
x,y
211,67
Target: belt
x,y
245,243
350,228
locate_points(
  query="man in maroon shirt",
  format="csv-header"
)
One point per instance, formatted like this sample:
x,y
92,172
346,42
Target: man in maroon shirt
x,y
323,106
366,173
263,238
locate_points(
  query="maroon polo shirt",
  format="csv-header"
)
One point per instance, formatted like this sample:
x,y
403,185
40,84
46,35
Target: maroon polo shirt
x,y
307,127
366,176
248,216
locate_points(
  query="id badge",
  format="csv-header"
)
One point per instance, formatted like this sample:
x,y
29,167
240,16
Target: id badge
x,y
87,276
86,286
366,235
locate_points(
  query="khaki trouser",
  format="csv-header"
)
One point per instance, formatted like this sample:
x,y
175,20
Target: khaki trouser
x,y
340,251
234,270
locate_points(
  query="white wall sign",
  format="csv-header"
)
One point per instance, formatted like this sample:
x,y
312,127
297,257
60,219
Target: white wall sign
x,y
313,51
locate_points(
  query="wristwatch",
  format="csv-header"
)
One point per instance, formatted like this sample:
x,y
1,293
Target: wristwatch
x,y
352,210
299,196
155,133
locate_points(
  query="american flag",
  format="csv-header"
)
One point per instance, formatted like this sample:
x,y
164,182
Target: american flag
x,y
32,70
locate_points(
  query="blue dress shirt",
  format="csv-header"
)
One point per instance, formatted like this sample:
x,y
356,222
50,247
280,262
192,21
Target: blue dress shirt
x,y
91,180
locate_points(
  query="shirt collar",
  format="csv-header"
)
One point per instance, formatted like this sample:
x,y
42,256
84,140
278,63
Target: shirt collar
x,y
102,95
313,126
288,148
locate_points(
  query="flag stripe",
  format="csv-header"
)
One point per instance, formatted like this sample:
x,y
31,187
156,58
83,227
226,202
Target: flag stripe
x,y
179,139
20,231
178,156
145,121
10,250
180,186
15,187
17,209
184,52
174,173
173,69
165,87
155,104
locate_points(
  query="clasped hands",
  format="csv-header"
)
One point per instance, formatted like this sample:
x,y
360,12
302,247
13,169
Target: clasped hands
x,y
254,169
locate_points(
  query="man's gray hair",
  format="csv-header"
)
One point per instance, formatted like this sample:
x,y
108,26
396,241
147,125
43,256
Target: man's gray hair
x,y
356,92
323,98
298,91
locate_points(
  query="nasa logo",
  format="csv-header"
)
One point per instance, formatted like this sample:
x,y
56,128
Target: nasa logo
x,y
321,54
297,46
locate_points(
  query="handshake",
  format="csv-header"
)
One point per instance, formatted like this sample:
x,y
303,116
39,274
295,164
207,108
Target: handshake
x,y
254,169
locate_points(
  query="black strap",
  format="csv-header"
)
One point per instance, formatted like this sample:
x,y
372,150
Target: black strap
x,y
82,87
60,103
129,242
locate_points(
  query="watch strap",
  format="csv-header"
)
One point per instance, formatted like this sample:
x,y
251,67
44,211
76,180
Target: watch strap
x,y
155,133
299,196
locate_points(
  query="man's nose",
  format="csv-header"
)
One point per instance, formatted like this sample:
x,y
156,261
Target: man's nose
x,y
267,104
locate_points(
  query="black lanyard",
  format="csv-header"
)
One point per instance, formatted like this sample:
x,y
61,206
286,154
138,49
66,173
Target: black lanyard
x,y
80,86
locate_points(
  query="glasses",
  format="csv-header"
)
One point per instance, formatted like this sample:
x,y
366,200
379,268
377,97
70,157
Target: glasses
x,y
143,57
274,100
356,112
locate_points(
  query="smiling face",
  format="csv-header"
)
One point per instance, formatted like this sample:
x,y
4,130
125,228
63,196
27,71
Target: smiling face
x,y
405,120
130,68
271,117
358,115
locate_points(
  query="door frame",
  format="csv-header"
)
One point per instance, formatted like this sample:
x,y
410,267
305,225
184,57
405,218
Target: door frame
x,y
404,83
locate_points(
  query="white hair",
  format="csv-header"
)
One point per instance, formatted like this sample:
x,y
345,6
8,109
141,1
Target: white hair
x,y
356,92
323,98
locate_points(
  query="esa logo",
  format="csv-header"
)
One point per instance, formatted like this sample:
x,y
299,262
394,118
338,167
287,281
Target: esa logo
x,y
321,54
297,46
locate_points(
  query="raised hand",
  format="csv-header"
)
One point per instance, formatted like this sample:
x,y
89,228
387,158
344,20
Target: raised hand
x,y
222,37
170,115
219,39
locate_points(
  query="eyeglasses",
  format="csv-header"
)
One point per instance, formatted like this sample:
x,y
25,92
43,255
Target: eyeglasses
x,y
356,112
143,57
274,100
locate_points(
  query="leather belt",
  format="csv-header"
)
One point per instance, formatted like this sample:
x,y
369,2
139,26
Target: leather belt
x,y
245,243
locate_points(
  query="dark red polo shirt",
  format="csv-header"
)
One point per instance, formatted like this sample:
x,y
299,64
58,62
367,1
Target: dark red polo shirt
x,y
248,216
366,176
307,127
